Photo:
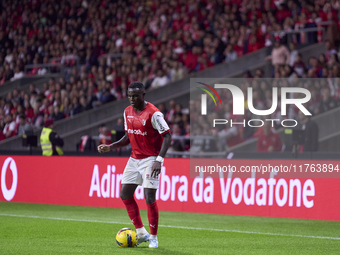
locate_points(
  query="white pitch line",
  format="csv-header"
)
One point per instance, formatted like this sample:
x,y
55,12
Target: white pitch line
x,y
170,226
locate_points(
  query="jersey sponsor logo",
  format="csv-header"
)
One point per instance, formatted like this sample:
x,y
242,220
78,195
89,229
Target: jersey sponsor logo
x,y
136,132
129,116
161,128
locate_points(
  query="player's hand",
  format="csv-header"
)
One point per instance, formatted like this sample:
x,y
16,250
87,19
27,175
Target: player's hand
x,y
103,148
156,169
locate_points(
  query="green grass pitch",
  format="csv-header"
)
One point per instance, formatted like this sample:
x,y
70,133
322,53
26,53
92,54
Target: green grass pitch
x,y
52,229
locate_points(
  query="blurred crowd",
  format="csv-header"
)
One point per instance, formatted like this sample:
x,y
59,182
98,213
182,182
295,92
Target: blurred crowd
x,y
108,44
150,41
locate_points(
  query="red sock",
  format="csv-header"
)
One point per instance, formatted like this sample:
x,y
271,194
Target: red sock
x,y
153,217
133,212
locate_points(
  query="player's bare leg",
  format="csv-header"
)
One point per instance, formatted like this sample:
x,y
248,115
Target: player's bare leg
x,y
126,194
150,198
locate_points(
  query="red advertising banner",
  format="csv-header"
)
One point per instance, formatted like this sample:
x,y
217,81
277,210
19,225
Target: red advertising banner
x,y
95,181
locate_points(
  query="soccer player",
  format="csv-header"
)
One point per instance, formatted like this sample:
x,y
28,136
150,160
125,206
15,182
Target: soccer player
x,y
149,136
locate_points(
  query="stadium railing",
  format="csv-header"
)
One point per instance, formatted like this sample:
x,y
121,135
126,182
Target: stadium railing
x,y
315,34
56,65
110,56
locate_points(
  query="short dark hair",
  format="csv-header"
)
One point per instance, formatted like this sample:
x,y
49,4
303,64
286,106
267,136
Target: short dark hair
x,y
137,85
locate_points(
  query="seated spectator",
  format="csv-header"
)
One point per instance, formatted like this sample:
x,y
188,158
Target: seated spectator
x,y
328,102
28,110
104,134
160,80
91,98
177,144
191,58
203,63
18,74
38,118
197,144
177,72
225,135
84,106
267,139
8,72
43,70
23,126
254,45
57,115
329,49
162,108
75,106
333,60
299,66
214,56
314,67
322,61
106,96
119,126
35,69
9,129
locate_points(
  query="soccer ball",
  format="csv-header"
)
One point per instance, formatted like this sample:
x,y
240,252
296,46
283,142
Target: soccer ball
x,y
126,237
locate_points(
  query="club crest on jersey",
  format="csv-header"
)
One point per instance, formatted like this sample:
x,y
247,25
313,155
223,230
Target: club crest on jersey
x,y
144,122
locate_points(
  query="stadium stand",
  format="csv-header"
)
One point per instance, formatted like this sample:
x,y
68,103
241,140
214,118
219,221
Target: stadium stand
x,y
104,46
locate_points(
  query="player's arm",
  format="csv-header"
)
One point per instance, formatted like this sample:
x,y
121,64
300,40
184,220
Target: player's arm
x,y
157,165
165,145
159,123
121,143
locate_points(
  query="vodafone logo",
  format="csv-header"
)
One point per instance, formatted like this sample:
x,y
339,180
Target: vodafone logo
x,y
9,193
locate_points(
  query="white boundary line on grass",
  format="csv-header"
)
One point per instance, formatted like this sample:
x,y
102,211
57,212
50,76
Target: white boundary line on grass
x,y
170,226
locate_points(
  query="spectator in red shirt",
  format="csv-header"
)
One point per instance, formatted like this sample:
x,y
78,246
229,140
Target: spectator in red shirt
x,y
104,134
254,45
267,139
28,110
203,63
299,66
192,58
9,129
